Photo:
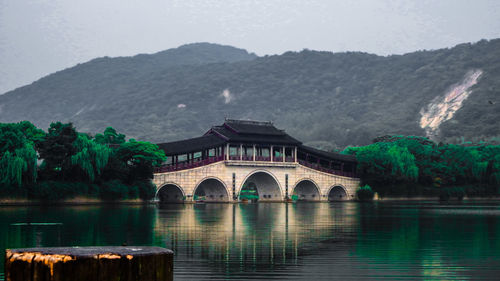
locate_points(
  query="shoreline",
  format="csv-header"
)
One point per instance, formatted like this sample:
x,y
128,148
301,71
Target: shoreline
x,y
77,201
420,198
80,201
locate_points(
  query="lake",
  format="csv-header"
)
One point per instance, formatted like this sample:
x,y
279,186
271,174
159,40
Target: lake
x,y
283,241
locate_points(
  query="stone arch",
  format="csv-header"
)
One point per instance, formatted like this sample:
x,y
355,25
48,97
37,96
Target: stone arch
x,y
306,190
211,189
267,185
337,193
170,193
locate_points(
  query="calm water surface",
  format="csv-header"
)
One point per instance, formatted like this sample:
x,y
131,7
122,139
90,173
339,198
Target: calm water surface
x,y
303,241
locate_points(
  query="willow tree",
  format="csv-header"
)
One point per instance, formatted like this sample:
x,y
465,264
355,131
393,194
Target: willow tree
x,y
90,156
18,158
385,162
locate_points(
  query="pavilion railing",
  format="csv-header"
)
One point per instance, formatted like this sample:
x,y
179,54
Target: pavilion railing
x,y
320,168
213,159
262,158
183,166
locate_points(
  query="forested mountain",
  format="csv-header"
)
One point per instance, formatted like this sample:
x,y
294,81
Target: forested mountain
x,y
325,99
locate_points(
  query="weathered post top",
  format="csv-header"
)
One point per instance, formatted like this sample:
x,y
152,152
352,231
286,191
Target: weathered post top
x,y
89,263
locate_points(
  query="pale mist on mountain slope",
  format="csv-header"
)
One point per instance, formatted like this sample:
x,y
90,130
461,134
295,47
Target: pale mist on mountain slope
x,y
328,100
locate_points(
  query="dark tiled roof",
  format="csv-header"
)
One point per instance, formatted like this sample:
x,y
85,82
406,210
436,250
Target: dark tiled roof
x,y
234,131
231,136
326,154
253,127
191,145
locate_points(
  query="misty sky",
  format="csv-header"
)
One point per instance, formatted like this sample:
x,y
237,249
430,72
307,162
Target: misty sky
x,y
38,37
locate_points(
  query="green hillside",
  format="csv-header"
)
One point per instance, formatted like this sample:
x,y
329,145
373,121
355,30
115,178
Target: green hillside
x,y
325,99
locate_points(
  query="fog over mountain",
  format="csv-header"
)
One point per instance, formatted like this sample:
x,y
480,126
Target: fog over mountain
x,y
328,100
39,37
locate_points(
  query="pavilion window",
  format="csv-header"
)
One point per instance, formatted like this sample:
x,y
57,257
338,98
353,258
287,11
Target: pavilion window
x,y
197,156
211,152
277,151
262,153
168,161
182,158
248,151
234,151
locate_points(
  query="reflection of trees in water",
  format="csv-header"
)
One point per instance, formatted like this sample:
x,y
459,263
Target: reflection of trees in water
x,y
419,237
249,192
425,240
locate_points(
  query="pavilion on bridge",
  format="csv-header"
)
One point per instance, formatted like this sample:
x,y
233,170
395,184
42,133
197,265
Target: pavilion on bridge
x,y
252,141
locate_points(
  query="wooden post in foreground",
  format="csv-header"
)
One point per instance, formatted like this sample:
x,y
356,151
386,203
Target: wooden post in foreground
x,y
89,263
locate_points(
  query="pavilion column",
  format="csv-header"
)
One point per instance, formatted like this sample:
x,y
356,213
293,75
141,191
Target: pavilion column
x,y
227,151
241,152
295,155
283,154
271,153
253,150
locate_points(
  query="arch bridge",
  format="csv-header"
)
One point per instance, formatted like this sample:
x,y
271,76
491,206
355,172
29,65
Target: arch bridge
x,y
249,160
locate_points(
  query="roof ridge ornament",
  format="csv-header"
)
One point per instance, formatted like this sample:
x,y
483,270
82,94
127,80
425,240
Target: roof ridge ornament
x,y
249,122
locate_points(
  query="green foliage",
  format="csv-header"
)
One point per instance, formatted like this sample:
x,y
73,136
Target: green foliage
x,y
388,162
140,158
146,189
18,159
56,150
114,190
365,193
452,192
406,163
74,164
110,136
91,157
140,153
57,190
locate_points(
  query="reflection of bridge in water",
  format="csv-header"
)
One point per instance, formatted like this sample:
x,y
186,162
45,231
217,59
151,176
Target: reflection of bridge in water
x,y
228,160
252,232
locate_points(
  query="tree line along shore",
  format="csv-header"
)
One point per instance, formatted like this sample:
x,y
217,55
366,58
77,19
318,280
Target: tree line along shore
x,y
63,163
411,166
